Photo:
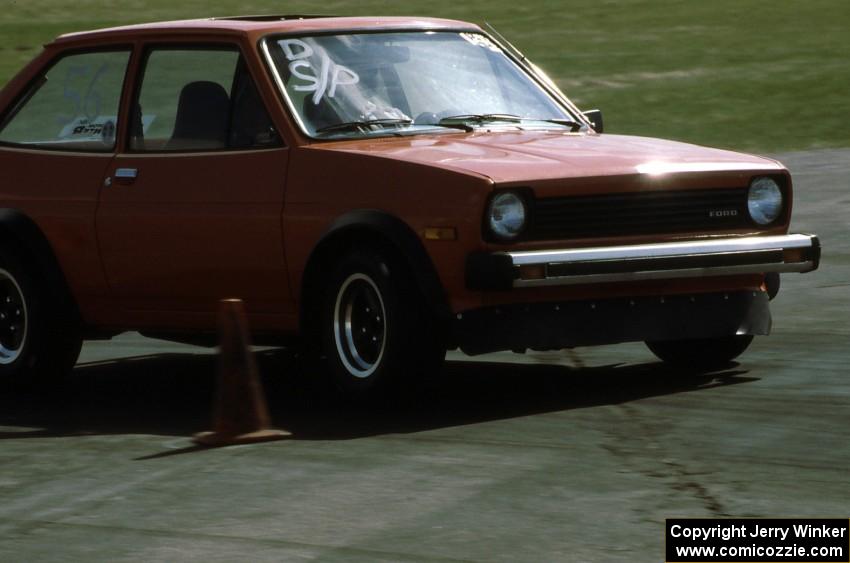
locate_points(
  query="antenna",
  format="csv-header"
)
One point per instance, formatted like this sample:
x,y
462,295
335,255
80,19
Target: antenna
x,y
507,44
536,71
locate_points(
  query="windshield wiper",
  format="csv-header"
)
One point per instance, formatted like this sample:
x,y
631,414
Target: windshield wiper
x,y
573,125
463,121
368,123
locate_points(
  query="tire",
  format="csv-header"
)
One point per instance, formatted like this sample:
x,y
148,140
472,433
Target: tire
x,y
376,332
702,353
39,333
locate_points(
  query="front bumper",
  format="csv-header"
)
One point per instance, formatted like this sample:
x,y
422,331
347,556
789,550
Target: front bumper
x,y
687,259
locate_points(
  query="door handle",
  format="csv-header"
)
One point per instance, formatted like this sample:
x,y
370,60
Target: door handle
x,y
123,176
126,173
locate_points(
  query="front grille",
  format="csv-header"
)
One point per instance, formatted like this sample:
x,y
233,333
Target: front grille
x,y
639,213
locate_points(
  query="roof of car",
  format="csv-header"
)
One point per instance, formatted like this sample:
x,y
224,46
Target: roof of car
x,y
264,24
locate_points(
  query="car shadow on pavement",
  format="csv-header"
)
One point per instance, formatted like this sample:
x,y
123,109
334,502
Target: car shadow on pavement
x,y
171,394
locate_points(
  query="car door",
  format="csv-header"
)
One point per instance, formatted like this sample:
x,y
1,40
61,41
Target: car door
x,y
191,211
57,140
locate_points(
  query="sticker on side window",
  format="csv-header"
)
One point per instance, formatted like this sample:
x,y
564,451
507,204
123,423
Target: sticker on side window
x,y
101,128
481,41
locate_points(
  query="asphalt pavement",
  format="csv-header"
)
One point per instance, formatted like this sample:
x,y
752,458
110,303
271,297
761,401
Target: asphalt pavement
x,y
570,456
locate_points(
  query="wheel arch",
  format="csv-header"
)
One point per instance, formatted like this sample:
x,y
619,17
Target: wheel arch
x,y
374,228
22,236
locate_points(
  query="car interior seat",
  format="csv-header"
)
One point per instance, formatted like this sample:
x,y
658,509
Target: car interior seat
x,y
202,118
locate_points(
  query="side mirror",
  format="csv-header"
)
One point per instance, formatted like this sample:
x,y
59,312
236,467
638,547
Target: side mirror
x,y
595,118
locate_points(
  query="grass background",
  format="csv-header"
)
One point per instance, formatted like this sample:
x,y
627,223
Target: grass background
x,y
761,75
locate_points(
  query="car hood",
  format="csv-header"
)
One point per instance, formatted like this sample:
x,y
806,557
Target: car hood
x,y
519,156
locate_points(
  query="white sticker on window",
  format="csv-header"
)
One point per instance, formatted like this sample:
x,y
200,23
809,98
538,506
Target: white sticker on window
x,y
101,128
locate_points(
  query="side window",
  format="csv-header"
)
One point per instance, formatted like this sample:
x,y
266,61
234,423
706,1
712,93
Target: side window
x,y
251,126
72,106
198,100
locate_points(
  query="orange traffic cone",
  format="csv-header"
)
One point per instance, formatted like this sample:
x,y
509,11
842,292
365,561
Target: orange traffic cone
x,y
241,415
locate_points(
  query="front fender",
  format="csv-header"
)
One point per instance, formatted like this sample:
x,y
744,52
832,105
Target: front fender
x,y
380,226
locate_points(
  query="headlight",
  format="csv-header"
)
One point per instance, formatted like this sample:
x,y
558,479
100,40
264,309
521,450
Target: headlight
x,y
506,215
764,200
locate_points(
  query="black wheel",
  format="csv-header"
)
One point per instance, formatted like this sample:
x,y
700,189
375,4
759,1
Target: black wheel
x,y
39,333
702,353
376,332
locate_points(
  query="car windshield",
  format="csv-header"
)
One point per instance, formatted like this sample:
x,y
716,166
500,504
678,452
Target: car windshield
x,y
371,84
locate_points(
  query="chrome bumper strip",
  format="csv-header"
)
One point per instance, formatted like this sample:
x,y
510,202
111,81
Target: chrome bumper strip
x,y
688,259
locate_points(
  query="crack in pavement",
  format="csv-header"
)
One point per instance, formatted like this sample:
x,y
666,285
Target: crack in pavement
x,y
675,475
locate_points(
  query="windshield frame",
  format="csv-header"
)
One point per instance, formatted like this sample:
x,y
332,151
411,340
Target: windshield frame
x,y
556,96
